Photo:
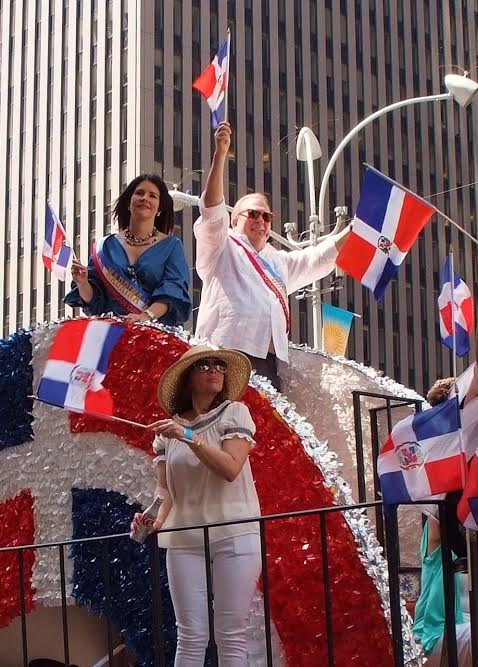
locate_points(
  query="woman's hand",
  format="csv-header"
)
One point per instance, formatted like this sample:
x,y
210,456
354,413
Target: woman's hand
x,y
136,525
79,273
222,138
170,429
136,317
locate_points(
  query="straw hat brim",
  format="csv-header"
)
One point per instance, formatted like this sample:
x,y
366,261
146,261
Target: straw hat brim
x,y
237,375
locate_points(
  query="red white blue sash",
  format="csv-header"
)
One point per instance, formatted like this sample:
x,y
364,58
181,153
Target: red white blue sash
x,y
270,278
124,288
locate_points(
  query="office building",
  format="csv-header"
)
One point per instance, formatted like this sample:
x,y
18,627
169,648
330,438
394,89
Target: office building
x,y
96,91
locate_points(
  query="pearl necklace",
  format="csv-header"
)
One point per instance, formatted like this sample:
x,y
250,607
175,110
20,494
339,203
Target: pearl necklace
x,y
138,240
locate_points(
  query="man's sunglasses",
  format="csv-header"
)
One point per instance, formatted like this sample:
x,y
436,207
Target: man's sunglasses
x,y
204,365
253,214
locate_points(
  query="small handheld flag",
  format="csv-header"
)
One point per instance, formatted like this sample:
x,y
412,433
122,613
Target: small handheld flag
x,y
467,509
386,225
462,309
336,324
422,456
56,253
77,365
212,83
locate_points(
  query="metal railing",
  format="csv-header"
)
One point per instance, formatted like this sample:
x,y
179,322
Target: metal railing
x,y
387,533
391,544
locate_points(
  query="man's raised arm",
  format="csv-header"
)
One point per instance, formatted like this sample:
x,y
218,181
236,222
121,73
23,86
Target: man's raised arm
x,y
210,229
214,192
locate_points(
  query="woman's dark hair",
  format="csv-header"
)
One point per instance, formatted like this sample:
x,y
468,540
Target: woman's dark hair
x,y
183,401
164,221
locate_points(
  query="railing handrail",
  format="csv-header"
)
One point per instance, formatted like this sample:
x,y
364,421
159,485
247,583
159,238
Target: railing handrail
x,y
263,518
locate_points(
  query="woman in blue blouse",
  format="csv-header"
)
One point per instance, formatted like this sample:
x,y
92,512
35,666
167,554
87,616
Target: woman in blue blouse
x,y
141,272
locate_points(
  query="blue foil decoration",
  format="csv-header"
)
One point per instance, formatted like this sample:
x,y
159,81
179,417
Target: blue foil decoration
x,y
16,380
97,512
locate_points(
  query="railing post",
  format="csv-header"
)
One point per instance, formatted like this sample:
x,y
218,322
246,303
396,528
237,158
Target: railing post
x,y
64,614
379,529
21,591
156,602
265,593
210,609
393,560
327,600
107,584
472,538
362,489
449,640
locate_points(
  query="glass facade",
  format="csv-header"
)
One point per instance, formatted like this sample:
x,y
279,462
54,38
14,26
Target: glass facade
x,y
95,92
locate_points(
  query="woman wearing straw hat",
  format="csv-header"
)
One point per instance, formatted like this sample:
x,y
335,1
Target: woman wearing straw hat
x,y
204,476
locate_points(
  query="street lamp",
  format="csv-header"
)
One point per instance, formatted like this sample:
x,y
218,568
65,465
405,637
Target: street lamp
x,y
460,88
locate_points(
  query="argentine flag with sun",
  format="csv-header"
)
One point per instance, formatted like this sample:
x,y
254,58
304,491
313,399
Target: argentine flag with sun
x,y
336,324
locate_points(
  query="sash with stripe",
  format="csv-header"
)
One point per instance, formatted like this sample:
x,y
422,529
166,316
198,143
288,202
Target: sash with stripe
x,y
124,288
270,278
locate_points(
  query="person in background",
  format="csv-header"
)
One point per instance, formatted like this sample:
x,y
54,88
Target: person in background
x,y
429,622
204,476
246,281
140,272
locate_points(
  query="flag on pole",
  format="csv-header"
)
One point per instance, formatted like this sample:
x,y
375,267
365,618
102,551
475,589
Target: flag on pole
x,y
212,84
422,456
463,310
336,325
77,364
386,224
56,253
467,509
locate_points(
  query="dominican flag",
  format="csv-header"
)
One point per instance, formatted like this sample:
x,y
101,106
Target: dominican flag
x,y
422,456
467,510
77,365
56,254
462,309
212,83
386,225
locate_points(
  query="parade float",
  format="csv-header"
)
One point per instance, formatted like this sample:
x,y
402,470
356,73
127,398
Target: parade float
x,y
69,476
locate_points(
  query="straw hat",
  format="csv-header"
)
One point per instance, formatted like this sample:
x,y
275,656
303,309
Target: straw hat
x,y
237,375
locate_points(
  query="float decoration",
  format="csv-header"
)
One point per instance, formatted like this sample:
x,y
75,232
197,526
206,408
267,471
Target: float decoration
x,y
77,456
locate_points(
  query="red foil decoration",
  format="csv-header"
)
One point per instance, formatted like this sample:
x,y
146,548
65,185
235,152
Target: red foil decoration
x,y
286,480
16,528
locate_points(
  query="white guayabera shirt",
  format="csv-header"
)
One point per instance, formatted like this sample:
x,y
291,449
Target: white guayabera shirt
x,y
237,309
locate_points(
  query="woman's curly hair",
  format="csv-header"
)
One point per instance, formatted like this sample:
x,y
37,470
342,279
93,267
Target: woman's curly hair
x,y
440,391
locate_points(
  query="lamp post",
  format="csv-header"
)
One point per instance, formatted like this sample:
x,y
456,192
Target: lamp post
x,y
460,88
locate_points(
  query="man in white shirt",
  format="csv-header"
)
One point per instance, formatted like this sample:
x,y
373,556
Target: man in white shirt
x,y
246,281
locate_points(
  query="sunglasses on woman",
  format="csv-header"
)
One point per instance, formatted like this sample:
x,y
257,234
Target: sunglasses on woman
x,y
204,365
254,214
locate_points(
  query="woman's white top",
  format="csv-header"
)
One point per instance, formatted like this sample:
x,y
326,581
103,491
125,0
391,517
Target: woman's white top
x,y
200,496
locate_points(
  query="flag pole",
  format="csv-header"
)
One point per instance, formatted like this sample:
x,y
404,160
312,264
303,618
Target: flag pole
x,y
453,328
451,278
464,467
98,415
422,199
226,95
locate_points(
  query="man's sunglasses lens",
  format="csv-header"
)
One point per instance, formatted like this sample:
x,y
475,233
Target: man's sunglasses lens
x,y
255,215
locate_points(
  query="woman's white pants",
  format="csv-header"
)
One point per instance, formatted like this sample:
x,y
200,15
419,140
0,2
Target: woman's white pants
x,y
235,566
